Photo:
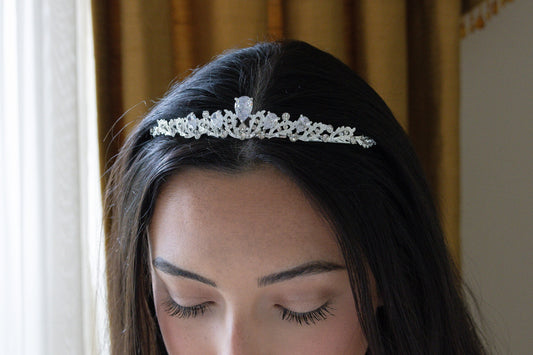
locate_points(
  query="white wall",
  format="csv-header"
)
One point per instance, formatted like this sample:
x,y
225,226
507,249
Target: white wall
x,y
497,173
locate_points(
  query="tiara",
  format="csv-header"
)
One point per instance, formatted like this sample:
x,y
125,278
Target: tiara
x,y
262,124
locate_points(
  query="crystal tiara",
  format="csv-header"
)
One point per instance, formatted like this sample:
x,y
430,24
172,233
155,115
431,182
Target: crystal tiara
x,y
261,124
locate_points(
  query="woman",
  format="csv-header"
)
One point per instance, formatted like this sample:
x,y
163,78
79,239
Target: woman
x,y
271,204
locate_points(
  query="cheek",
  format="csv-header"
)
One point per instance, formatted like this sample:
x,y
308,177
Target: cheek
x,y
341,337
340,334
180,338
344,336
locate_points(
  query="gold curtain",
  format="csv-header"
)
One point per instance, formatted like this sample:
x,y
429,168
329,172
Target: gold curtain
x,y
408,50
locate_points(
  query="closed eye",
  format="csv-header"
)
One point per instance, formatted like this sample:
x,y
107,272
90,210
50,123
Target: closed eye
x,y
309,318
176,310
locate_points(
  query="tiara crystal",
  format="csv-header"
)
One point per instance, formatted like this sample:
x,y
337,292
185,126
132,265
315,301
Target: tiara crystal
x,y
242,124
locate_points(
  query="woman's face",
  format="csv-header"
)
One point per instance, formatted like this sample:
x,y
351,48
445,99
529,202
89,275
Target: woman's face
x,y
243,264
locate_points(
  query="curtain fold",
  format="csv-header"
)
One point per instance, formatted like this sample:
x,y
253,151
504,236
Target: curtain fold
x,y
407,50
321,23
205,28
433,31
379,48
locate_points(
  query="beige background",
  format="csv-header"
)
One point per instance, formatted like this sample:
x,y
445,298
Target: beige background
x,y
497,174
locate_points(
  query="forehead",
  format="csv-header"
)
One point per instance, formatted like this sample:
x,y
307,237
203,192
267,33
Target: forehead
x,y
258,219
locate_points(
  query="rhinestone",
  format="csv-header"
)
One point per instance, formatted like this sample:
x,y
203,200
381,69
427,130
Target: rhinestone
x,y
369,142
243,107
192,121
216,119
270,120
302,123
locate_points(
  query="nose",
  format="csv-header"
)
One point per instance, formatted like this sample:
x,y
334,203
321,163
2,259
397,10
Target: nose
x,y
239,339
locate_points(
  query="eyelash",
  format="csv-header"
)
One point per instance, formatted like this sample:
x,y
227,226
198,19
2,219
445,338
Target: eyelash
x,y
321,313
308,318
175,310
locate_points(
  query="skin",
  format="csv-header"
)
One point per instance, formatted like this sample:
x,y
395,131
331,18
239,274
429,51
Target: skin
x,y
233,236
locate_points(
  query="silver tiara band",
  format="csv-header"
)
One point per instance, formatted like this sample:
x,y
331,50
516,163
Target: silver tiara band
x,y
242,124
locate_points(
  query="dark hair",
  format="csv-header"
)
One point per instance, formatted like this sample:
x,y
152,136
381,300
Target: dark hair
x,y
376,200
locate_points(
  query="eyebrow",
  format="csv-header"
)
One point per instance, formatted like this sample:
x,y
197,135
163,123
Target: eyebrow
x,y
168,268
310,268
